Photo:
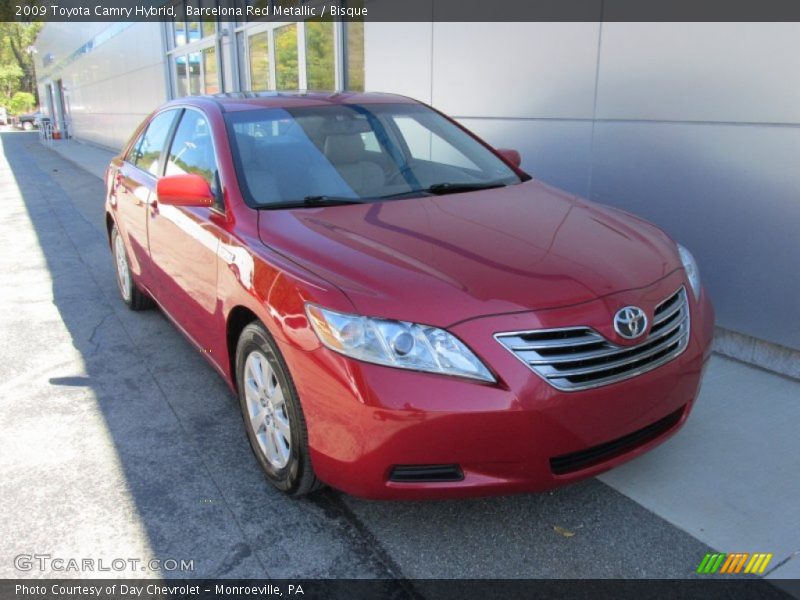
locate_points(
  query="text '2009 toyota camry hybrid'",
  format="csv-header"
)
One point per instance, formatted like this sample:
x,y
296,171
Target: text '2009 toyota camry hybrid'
x,y
402,311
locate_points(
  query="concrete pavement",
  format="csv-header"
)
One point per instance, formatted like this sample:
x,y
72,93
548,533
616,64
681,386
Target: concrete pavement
x,y
119,440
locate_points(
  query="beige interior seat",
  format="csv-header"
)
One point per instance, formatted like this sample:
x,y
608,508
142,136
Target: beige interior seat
x,y
346,152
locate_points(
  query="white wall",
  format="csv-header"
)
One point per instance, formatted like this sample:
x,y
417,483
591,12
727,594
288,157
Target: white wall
x,y
113,86
693,126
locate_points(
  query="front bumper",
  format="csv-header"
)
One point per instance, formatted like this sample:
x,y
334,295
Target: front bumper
x,y
363,419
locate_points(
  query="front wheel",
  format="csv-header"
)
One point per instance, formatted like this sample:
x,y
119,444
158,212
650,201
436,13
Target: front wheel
x,y
131,295
272,414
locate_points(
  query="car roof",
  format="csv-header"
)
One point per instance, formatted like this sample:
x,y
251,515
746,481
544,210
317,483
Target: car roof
x,y
238,101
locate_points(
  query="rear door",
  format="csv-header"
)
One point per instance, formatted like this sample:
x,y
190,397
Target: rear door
x,y
183,241
134,184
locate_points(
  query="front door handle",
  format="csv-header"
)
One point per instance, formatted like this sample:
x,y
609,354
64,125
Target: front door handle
x,y
226,255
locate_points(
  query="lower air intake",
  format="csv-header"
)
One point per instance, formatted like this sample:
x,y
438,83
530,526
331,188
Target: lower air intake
x,y
567,463
426,473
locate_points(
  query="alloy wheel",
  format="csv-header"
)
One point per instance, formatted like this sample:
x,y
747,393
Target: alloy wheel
x,y
123,272
267,414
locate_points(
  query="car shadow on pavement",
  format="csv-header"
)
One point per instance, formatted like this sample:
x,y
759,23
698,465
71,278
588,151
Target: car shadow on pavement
x,y
152,453
136,394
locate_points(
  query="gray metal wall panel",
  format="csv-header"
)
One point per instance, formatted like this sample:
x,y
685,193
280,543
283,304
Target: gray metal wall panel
x,y
730,193
113,86
720,72
397,59
554,151
515,69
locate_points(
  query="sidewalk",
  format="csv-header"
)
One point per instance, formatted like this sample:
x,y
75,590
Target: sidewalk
x,y
729,479
87,156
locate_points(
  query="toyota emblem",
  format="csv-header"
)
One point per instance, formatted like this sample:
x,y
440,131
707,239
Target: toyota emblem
x,y
630,322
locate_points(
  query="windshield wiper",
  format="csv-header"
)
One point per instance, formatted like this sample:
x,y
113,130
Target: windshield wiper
x,y
439,189
311,201
454,188
331,200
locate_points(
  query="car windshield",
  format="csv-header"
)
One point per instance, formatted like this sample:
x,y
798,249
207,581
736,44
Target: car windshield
x,y
340,154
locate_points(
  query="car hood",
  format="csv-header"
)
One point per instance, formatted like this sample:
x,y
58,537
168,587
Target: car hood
x,y
440,260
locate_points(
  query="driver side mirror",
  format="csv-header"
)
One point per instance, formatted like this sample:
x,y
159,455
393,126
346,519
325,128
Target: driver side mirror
x,y
511,156
184,190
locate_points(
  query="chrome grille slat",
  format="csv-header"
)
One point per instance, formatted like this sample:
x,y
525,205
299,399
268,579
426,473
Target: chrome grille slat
x,y
607,351
661,317
608,366
557,357
584,340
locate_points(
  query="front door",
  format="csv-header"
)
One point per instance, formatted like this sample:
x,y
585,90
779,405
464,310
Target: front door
x,y
183,241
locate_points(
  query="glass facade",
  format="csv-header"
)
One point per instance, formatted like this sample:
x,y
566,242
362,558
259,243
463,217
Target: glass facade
x,y
286,68
210,72
320,56
354,56
258,53
195,74
181,82
208,57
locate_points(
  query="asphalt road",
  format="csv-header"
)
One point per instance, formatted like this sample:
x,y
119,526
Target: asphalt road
x,y
118,440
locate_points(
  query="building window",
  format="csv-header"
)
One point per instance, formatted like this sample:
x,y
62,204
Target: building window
x,y
210,71
181,82
194,73
268,55
258,53
287,74
179,33
320,55
354,56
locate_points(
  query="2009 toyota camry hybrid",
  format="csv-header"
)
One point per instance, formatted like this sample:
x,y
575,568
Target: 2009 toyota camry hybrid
x,y
402,311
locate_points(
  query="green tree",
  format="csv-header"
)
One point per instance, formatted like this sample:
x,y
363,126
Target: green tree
x,y
9,79
21,102
17,72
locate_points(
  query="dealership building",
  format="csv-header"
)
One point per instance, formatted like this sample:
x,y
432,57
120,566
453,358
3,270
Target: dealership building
x,y
694,126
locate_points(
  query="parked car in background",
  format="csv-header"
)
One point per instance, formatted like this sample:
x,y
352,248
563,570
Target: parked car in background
x,y
3,115
402,311
28,121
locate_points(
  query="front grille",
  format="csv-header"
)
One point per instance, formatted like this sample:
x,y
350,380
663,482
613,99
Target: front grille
x,y
568,463
579,358
426,473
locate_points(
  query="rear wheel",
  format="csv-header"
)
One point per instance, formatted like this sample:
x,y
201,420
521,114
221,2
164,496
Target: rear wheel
x,y
131,294
272,414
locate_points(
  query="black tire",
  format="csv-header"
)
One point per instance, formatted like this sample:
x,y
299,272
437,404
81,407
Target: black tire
x,y
131,295
297,477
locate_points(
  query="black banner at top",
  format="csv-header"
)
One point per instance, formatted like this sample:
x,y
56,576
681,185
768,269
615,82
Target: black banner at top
x,y
403,10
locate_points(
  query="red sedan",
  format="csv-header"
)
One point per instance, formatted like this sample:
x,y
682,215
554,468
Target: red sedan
x,y
402,311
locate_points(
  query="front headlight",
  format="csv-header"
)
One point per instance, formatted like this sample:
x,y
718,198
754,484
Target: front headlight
x,y
396,344
692,272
